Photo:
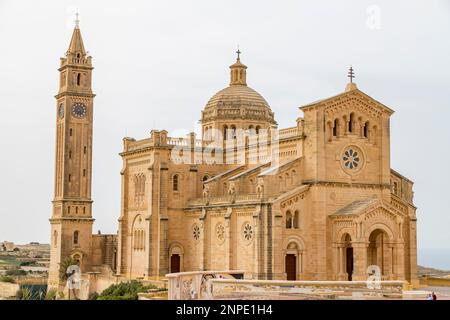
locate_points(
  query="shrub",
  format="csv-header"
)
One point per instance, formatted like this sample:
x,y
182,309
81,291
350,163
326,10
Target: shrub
x,y
124,291
24,294
93,296
51,294
7,279
64,265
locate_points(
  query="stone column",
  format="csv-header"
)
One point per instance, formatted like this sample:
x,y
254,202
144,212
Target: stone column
x,y
201,241
228,239
164,246
277,245
256,242
360,261
400,260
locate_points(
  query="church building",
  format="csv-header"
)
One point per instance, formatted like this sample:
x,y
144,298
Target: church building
x,y
315,201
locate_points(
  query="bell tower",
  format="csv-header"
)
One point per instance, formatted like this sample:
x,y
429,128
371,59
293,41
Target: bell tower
x,y
71,220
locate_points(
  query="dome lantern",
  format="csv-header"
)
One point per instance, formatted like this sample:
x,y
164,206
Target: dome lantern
x,y
238,72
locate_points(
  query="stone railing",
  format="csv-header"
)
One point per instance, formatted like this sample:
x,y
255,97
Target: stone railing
x,y
223,200
247,197
238,289
287,133
192,285
177,141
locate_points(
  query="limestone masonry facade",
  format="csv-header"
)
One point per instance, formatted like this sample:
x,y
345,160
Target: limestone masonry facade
x,y
317,201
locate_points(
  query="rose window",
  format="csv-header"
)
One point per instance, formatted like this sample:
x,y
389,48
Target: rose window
x,y
351,159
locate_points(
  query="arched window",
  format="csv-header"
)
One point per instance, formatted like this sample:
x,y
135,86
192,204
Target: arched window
x,y
205,177
175,182
55,238
296,219
351,124
225,132
78,79
366,129
287,179
257,129
233,132
76,235
335,127
139,188
280,183
288,220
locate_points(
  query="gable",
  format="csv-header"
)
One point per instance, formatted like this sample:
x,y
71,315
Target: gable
x,y
354,100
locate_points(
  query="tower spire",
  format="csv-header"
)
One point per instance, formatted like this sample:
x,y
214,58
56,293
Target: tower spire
x,y
76,46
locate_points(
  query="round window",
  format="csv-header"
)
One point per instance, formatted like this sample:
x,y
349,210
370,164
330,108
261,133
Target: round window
x,y
352,159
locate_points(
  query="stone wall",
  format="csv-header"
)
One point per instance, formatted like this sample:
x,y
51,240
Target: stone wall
x,y
8,290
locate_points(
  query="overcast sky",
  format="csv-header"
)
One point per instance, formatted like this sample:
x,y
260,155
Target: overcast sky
x,y
158,62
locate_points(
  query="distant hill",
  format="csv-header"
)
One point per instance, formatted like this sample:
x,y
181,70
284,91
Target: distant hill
x,y
428,271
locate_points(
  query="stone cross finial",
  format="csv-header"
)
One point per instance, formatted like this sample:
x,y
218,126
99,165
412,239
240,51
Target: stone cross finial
x,y
238,53
77,19
351,74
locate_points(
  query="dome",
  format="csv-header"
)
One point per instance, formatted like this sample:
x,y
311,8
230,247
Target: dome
x,y
238,100
237,96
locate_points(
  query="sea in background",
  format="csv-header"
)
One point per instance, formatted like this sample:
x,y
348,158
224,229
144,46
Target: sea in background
x,y
434,257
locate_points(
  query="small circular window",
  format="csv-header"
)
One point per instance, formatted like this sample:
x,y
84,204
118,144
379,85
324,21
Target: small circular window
x,y
352,159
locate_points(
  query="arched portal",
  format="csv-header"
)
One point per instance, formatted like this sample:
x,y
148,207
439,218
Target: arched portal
x,y
176,254
379,251
293,261
348,252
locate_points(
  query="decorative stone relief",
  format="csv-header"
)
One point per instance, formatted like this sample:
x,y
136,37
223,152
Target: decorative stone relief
x,y
196,232
247,232
220,232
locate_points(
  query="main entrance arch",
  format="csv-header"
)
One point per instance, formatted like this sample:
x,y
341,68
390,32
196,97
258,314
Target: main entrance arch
x,y
380,252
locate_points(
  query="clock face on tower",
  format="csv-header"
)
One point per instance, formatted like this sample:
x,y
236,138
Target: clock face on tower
x,y
61,111
79,110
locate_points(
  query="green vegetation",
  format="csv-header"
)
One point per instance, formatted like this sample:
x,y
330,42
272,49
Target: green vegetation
x,y
31,292
51,294
9,260
7,279
16,272
27,294
64,265
124,291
